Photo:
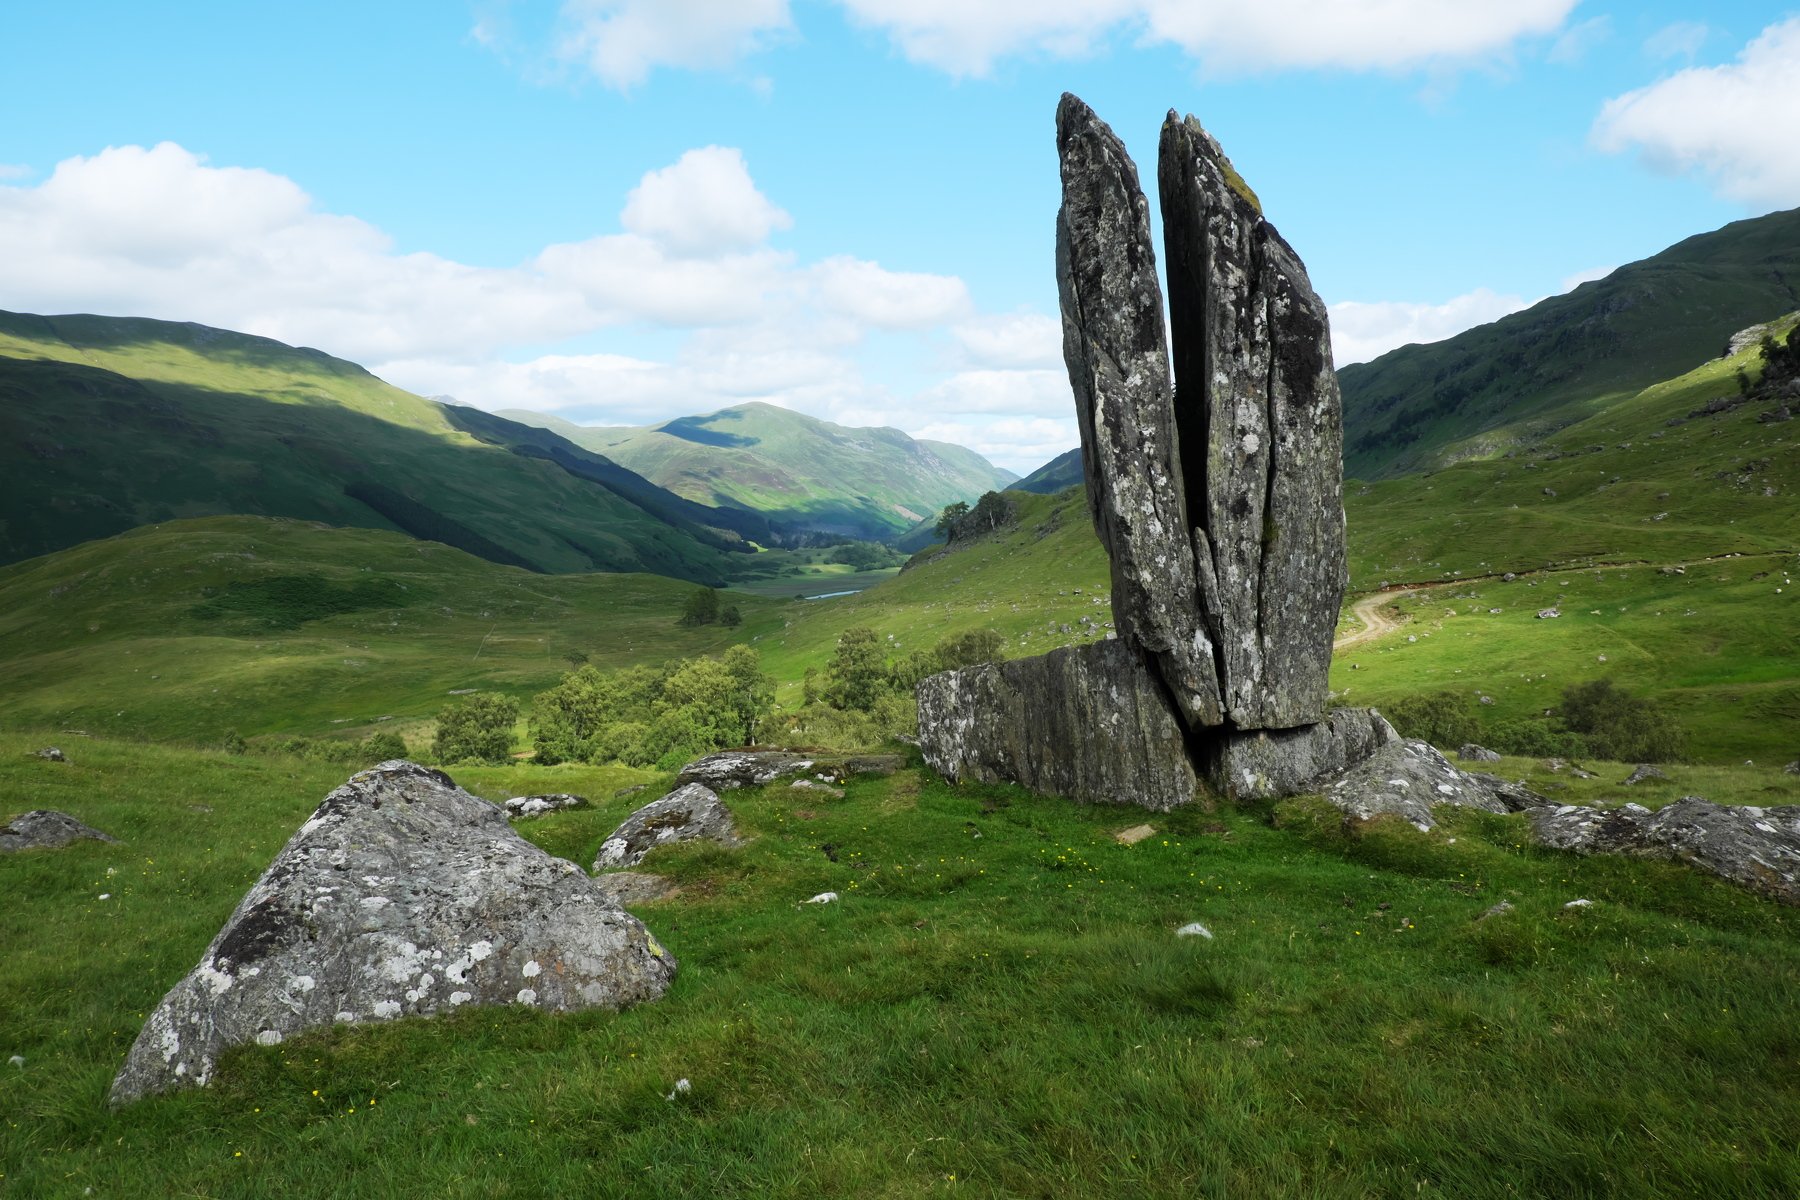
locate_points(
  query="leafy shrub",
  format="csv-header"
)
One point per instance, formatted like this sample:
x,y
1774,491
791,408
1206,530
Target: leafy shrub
x,y
477,728
857,671
646,715
1534,737
1445,719
382,746
702,607
1617,725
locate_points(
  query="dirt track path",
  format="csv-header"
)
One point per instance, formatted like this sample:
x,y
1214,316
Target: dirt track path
x,y
1375,623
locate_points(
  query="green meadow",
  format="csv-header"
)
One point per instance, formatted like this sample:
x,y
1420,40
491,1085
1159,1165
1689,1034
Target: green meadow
x,y
998,1005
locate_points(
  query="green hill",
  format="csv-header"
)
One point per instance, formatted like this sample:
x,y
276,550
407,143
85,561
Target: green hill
x,y
111,423
1563,359
194,628
1065,470
799,471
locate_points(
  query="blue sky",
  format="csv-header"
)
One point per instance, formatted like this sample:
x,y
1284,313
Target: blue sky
x,y
629,210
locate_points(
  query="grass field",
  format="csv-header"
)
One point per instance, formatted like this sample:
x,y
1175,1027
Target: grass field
x,y
997,1006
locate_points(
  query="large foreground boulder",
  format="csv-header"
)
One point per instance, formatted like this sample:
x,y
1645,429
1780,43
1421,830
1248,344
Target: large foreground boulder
x,y
1409,778
46,829
690,811
1757,848
402,895
1086,722
1266,764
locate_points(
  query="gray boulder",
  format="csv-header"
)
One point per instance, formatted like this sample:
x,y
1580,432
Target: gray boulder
x,y
52,754
1118,361
1266,764
1470,752
1261,435
45,829
1641,773
1410,778
521,808
1756,848
690,811
1085,722
402,895
744,768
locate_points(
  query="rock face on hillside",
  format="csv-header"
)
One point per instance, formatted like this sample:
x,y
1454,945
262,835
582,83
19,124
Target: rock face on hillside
x,y
690,811
1213,457
46,829
1756,848
402,895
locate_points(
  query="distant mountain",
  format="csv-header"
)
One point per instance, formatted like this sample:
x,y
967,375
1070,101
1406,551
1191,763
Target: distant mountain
x,y
1061,472
798,471
1564,358
110,423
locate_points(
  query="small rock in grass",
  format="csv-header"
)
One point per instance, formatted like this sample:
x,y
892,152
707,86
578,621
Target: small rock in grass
x,y
813,785
823,898
17,1060
682,1088
1134,835
1194,929
690,811
521,808
1644,771
1471,752
1500,909
46,829
1582,903
52,754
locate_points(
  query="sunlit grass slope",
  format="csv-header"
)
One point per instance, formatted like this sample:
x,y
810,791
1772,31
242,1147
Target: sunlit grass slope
x,y
997,1005
195,628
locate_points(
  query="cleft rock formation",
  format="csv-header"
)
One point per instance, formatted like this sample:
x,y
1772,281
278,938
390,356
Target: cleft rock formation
x,y
1213,456
402,895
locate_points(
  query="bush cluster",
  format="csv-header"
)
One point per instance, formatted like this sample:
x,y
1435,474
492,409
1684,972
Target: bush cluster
x,y
1596,720
653,715
476,728
377,747
704,607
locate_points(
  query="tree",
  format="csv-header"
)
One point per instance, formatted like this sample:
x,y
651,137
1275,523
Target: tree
x,y
567,718
730,617
857,669
1620,726
476,728
949,517
970,647
702,607
383,746
752,696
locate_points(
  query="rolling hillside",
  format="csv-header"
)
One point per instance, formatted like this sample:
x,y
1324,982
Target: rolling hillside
x,y
798,471
1063,471
1563,359
112,423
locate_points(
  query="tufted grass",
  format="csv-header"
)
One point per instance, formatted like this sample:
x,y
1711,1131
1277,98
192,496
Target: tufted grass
x,y
996,1006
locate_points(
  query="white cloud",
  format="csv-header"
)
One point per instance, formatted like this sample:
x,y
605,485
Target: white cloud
x,y
1681,39
704,203
14,171
1577,40
966,38
159,232
1021,444
1362,330
1733,123
889,299
622,41
1013,340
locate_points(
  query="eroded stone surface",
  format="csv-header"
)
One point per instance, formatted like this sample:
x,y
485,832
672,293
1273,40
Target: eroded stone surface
x,y
1117,356
46,829
521,808
402,895
745,768
1086,722
1757,848
1410,778
1265,764
1260,426
690,811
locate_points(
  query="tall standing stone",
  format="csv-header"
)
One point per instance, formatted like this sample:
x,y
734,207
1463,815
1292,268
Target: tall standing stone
x,y
1117,354
1261,434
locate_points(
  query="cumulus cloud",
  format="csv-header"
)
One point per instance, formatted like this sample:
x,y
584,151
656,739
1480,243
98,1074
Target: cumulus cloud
x,y
161,232
704,203
14,171
622,41
1732,123
1021,444
1362,330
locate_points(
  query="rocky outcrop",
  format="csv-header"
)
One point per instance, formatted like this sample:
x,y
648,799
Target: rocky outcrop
x,y
1261,432
402,895
521,808
1471,752
1264,764
1410,778
1118,361
1756,848
1087,722
745,768
46,829
690,811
